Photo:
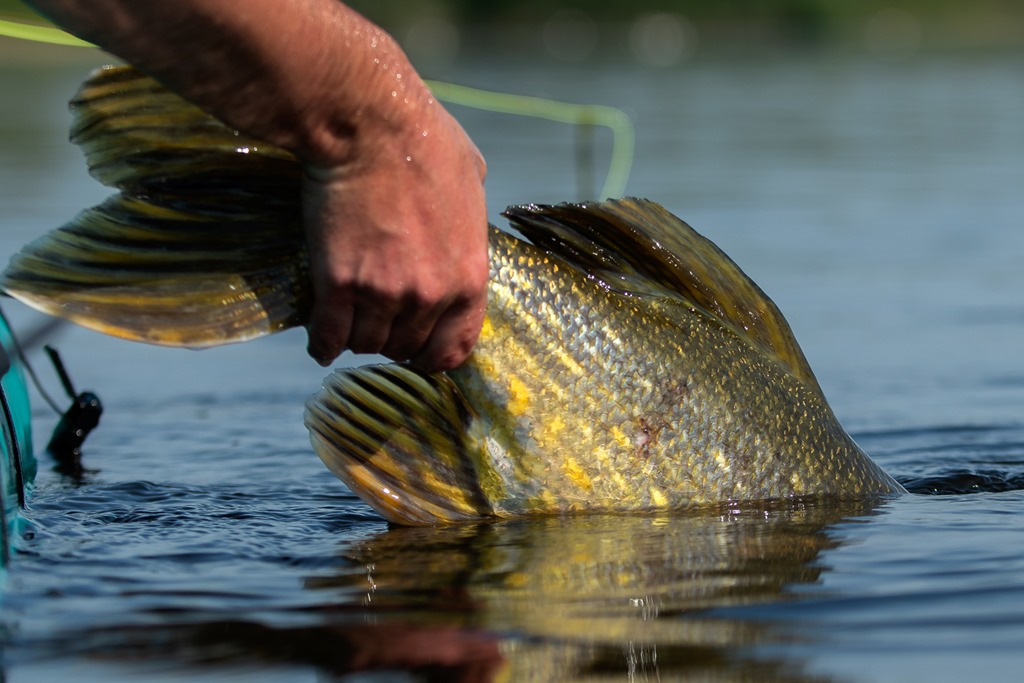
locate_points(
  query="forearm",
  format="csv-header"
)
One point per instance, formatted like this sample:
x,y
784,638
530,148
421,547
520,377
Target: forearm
x,y
238,59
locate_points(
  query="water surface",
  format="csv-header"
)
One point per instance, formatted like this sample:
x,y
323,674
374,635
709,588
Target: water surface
x,y
878,203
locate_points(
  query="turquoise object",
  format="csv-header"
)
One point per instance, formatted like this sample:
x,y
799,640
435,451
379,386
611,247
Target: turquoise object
x,y
17,462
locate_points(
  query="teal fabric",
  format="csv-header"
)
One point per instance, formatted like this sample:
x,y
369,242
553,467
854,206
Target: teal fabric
x,y
15,442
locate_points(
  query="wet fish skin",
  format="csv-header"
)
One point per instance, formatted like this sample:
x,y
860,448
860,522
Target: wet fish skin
x,y
625,364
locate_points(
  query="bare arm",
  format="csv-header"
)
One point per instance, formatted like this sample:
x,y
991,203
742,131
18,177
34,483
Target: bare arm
x,y
394,201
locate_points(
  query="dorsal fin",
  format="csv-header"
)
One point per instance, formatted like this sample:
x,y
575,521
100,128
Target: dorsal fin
x,y
636,246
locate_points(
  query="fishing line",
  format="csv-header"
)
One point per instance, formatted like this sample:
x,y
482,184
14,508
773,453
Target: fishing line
x,y
614,119
584,115
29,370
39,34
76,421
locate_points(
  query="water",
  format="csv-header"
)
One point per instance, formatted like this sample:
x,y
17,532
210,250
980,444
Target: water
x,y
878,203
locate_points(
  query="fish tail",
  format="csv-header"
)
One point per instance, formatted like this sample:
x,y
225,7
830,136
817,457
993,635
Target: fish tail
x,y
399,440
202,246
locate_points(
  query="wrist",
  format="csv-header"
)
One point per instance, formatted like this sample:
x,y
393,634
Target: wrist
x,y
377,111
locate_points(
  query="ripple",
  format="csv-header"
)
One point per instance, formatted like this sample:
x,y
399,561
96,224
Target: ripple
x,y
956,482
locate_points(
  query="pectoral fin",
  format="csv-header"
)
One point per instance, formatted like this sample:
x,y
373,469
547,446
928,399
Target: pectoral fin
x,y
398,439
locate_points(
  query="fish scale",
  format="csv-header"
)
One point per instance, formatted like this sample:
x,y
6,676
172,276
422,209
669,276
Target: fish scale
x,y
625,363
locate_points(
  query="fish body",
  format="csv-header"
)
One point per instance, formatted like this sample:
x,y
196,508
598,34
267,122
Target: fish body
x,y
579,397
625,363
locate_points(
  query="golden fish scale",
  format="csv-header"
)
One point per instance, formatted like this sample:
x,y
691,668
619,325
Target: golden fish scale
x,y
676,412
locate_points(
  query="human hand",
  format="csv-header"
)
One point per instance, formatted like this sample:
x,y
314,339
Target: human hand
x,y
398,242
393,198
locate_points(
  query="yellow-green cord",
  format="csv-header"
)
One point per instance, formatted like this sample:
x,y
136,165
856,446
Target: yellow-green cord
x,y
39,34
577,114
614,119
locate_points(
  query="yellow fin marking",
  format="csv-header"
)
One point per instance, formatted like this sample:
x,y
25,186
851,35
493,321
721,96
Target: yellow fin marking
x,y
722,461
620,437
518,397
658,498
487,331
551,429
577,474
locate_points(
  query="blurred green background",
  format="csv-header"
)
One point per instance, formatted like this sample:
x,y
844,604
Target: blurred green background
x,y
590,28
667,32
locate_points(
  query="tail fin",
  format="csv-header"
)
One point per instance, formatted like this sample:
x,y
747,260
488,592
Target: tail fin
x,y
204,244
399,440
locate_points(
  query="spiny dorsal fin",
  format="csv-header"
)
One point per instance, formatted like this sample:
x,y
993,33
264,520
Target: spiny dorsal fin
x,y
635,245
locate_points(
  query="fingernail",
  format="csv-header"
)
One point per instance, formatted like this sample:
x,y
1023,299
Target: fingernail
x,y
321,359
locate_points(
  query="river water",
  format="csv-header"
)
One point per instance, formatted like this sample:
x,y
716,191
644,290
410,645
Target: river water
x,y
877,202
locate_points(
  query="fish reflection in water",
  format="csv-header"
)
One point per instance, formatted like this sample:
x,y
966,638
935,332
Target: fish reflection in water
x,y
597,597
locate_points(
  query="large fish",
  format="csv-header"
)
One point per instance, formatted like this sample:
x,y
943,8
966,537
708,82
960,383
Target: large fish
x,y
625,363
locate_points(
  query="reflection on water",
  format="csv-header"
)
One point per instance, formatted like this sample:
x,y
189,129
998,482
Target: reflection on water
x,y
559,599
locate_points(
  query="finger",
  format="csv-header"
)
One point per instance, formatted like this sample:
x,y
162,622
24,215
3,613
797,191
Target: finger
x,y
371,326
410,331
453,337
328,330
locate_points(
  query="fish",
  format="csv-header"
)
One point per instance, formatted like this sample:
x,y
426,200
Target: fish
x,y
626,364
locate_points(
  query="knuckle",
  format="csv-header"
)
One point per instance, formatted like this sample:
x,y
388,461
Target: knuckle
x,y
424,294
